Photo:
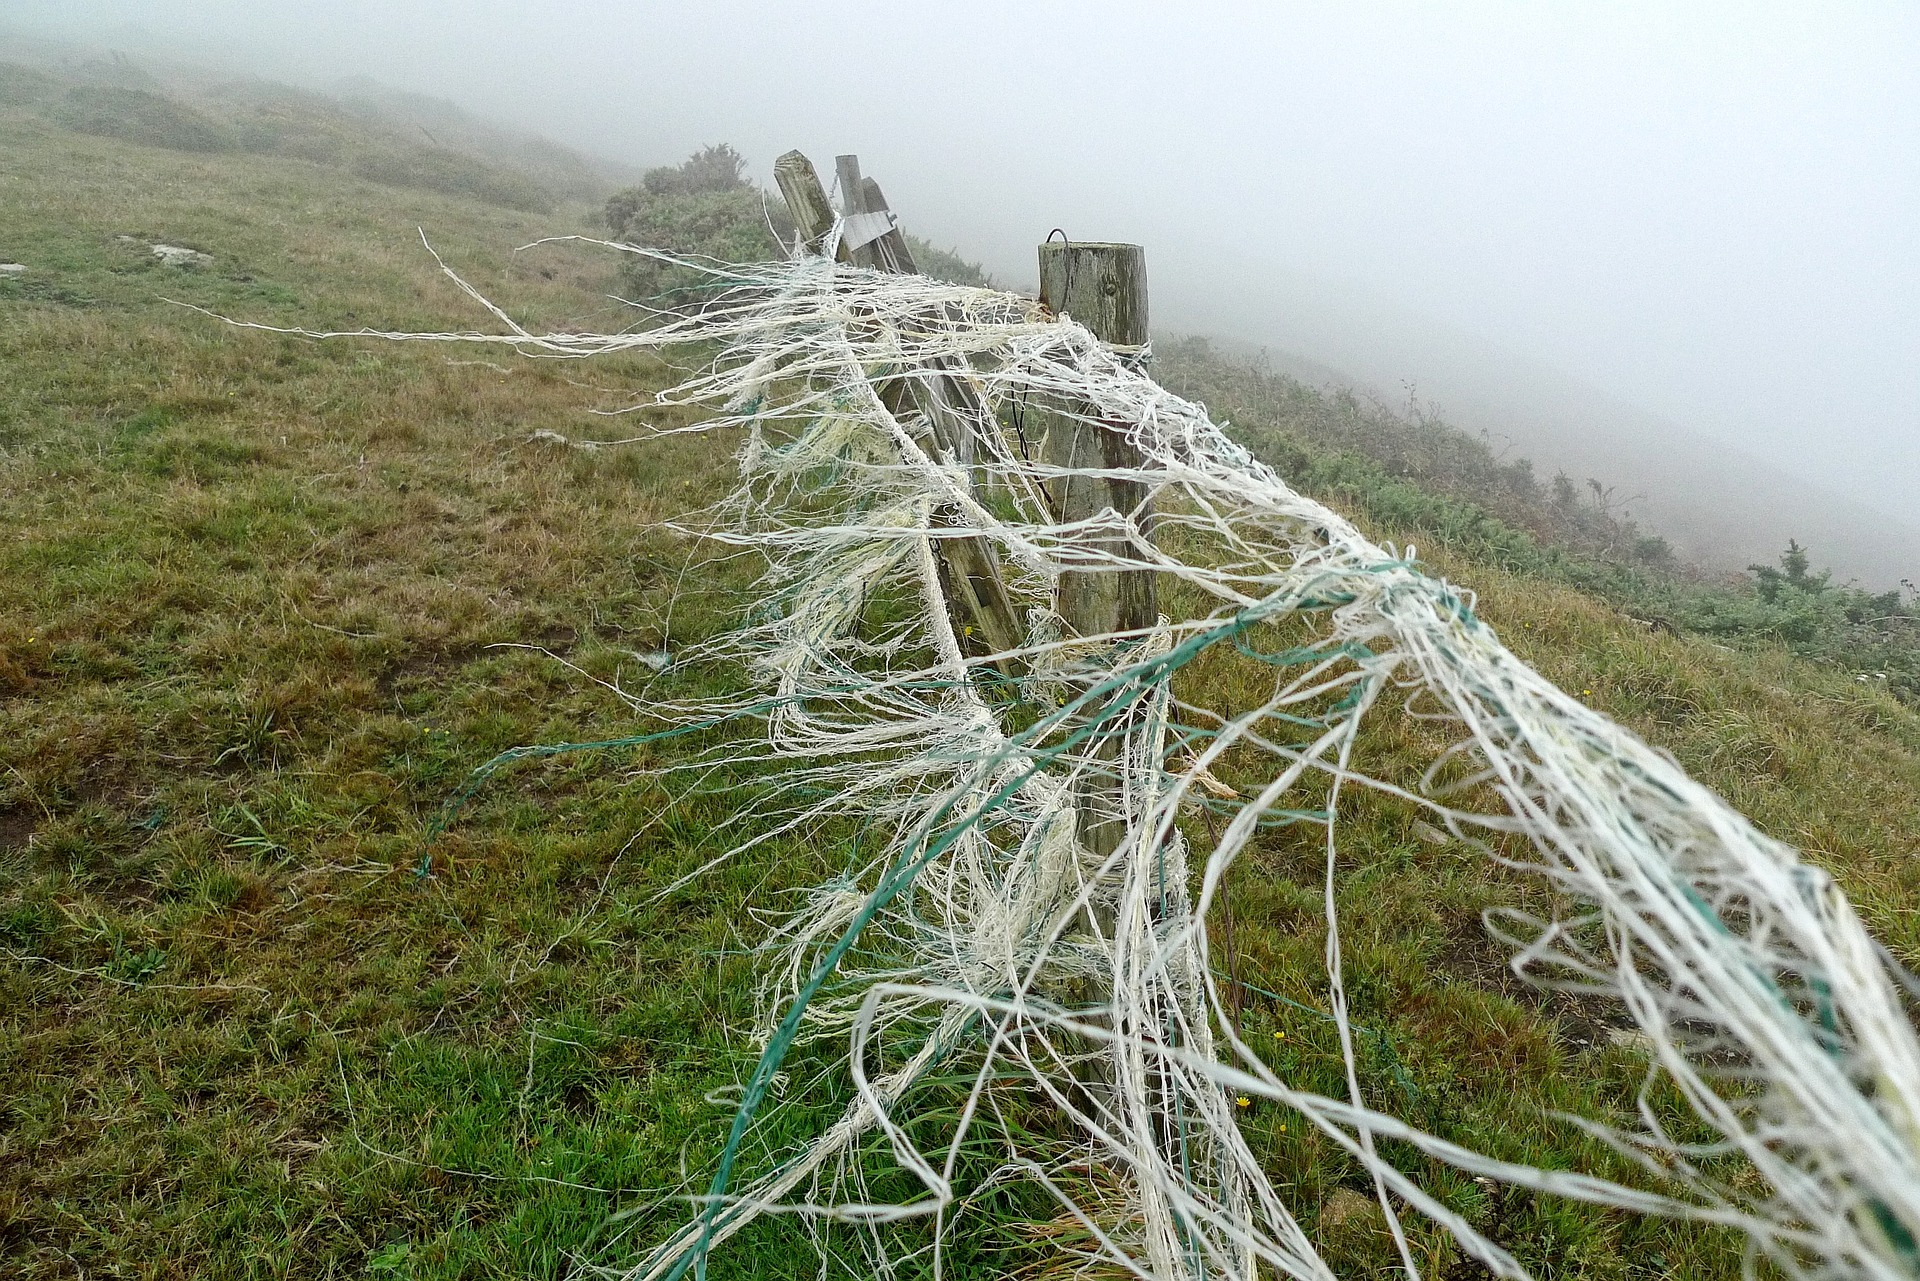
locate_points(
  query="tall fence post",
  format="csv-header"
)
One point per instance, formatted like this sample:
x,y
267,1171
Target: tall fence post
x,y
891,252
1104,287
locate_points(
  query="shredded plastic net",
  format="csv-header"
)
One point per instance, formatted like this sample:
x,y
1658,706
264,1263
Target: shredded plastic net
x,y
990,958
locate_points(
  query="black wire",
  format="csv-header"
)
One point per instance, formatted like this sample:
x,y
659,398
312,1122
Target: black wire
x,y
1066,286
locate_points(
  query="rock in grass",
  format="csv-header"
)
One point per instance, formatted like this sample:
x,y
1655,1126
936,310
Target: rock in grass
x,y
181,256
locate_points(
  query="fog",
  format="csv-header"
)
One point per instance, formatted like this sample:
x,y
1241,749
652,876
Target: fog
x,y
1669,244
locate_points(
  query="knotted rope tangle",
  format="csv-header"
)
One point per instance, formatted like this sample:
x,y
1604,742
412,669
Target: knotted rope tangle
x,y
986,959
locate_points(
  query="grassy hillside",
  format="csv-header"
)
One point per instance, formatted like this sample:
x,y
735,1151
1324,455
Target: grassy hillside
x,y
401,140
270,601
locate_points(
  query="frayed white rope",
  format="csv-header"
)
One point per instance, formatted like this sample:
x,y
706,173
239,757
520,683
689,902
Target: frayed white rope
x,y
984,923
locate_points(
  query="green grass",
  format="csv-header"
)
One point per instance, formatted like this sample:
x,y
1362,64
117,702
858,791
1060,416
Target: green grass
x,y
268,603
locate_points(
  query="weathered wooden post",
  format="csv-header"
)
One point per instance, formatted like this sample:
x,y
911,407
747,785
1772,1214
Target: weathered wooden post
x,y
806,199
976,594
891,252
852,206
872,231
1104,287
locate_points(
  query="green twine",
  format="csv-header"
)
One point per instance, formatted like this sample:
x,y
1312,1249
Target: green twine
x,y
1110,699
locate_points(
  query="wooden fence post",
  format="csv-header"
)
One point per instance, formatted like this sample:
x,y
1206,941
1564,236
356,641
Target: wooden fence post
x,y
977,597
853,203
892,252
1104,287
806,199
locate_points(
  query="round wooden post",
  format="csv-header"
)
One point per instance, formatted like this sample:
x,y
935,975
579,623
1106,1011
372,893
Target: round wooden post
x,y
1104,287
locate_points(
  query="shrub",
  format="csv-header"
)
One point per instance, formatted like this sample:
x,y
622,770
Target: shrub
x,y
731,226
702,207
714,169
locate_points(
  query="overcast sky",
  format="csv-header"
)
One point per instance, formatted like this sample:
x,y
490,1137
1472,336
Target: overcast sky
x,y
1708,210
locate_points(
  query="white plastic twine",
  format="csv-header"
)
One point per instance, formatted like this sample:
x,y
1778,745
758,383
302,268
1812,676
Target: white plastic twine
x,y
984,941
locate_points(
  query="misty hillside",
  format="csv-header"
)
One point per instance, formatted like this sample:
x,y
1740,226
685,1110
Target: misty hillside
x,y
376,133
1435,485
272,1005
1720,504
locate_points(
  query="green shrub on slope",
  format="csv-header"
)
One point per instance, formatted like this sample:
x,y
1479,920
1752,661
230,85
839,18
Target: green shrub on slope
x,y
703,207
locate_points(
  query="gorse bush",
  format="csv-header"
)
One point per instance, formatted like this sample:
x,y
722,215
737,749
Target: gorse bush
x,y
712,169
728,225
706,207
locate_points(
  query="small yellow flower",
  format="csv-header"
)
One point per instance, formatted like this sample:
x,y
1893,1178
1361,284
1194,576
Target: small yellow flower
x,y
1243,1102
1279,1036
1587,692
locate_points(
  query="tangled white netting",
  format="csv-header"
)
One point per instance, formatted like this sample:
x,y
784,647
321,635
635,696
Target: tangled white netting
x,y
988,954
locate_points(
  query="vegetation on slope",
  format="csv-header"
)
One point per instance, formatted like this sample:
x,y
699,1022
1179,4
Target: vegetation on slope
x,y
271,601
1423,480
